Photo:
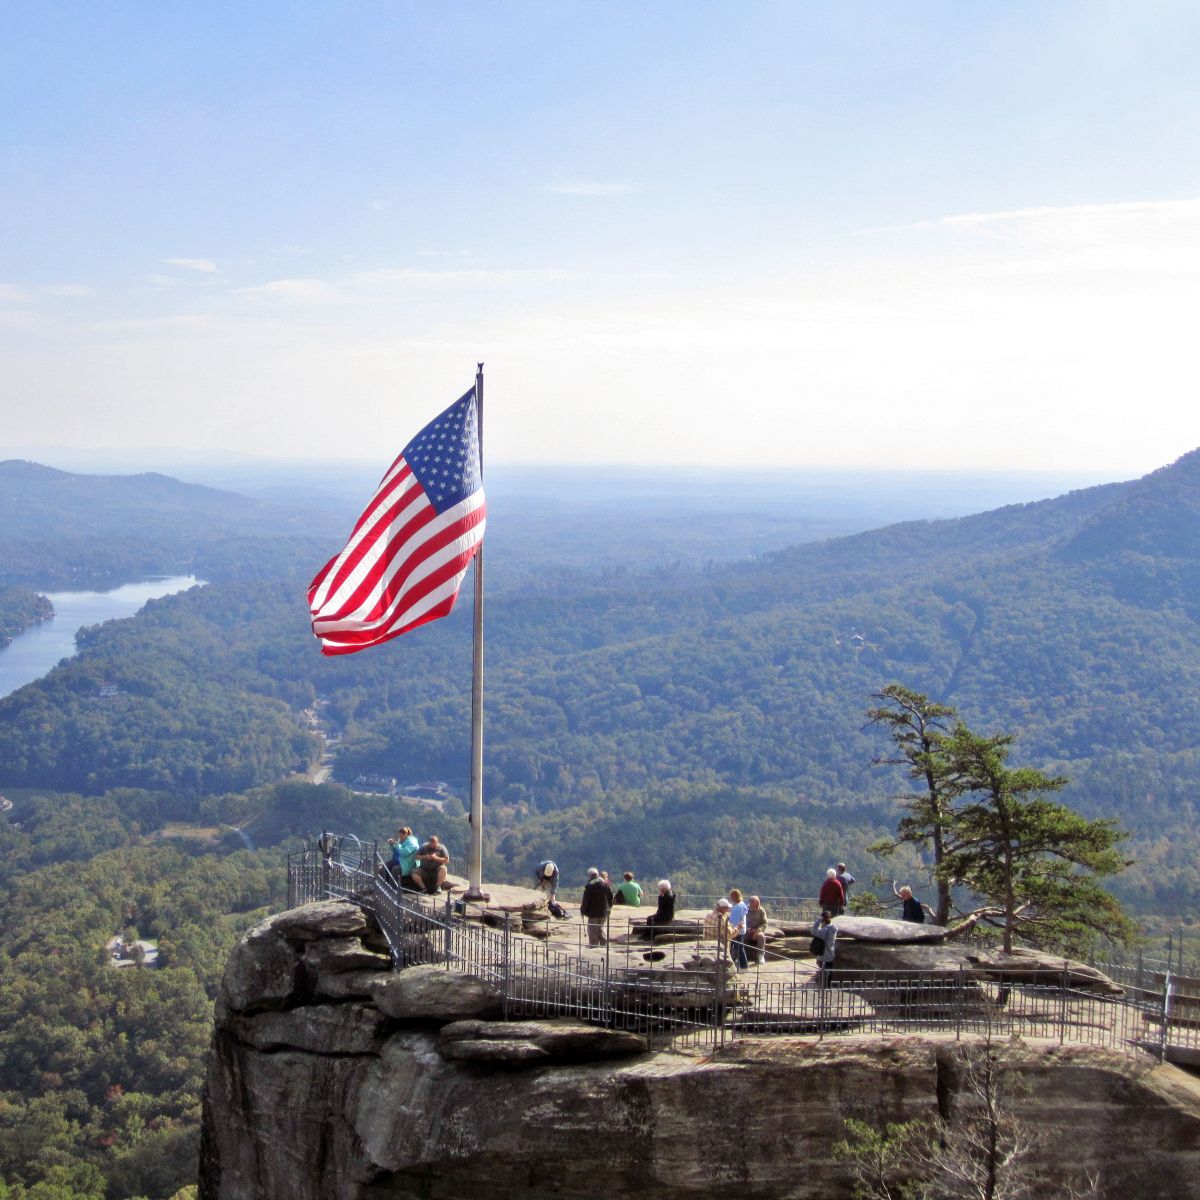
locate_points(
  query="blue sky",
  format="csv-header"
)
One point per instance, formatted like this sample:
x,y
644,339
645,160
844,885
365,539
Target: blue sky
x,y
839,234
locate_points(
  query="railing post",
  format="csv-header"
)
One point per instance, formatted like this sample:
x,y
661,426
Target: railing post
x,y
1166,1017
718,1012
1062,1006
507,962
960,1005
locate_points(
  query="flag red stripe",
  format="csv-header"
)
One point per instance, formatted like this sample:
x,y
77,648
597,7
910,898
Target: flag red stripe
x,y
405,585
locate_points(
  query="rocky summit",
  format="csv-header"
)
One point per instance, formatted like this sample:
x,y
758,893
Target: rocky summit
x,y
334,1077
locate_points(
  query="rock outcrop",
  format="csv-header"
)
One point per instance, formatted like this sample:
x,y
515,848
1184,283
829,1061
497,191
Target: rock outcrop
x,y
333,1077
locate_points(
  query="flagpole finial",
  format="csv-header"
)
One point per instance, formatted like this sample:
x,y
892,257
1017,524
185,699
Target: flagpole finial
x,y
479,366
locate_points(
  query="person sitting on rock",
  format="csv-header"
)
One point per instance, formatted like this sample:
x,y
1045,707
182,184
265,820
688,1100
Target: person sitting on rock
x,y
404,858
547,878
832,896
434,861
629,891
755,936
825,931
596,901
664,914
911,909
716,924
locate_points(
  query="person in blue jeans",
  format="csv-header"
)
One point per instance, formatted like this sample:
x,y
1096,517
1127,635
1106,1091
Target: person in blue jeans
x,y
737,928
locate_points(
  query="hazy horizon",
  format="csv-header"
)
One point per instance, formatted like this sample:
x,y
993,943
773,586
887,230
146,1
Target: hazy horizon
x,y
851,235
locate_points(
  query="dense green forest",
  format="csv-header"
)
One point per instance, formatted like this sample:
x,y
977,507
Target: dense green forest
x,y
622,700
20,608
101,1068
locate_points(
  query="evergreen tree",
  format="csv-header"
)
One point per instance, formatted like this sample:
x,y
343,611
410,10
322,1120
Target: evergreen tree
x,y
920,728
1034,860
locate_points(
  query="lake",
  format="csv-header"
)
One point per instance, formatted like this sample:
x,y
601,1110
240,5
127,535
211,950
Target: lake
x,y
43,646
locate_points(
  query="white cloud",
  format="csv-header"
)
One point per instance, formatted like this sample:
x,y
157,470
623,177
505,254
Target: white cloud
x,y
65,289
300,290
204,265
13,293
593,187
379,205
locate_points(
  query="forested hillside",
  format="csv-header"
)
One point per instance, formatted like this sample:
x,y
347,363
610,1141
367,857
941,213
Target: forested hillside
x,y
20,608
1071,622
62,530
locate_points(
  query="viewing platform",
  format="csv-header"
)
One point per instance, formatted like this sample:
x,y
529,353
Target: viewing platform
x,y
679,984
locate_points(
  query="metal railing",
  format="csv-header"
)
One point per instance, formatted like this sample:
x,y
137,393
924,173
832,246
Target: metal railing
x,y
690,992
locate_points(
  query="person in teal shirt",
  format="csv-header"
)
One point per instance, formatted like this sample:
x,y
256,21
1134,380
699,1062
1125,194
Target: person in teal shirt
x,y
404,857
629,891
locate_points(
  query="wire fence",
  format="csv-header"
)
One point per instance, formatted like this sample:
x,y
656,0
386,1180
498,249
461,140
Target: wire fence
x,y
686,991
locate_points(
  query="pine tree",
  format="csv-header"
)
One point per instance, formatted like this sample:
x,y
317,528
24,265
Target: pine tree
x,y
920,728
1033,859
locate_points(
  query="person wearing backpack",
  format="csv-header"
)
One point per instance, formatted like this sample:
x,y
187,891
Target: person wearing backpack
x,y
824,944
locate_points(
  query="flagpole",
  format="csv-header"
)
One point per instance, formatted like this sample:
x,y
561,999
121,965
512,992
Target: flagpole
x,y
475,858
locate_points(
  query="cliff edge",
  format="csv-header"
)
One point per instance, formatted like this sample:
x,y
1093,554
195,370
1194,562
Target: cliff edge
x,y
334,1077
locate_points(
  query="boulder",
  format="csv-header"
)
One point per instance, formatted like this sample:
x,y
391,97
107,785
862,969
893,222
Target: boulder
x,y
262,973
322,918
354,1028
879,929
435,993
482,1050
949,959
336,955
557,1040
350,985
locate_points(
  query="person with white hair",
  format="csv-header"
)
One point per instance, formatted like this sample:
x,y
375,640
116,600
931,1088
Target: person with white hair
x,y
832,895
597,900
664,914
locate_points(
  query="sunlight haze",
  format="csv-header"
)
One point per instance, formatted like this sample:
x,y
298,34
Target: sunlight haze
x,y
784,235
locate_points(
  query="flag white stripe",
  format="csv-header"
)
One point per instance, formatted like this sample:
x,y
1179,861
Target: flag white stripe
x,y
358,618
415,501
395,614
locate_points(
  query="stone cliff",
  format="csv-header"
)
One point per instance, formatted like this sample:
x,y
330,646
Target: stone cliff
x,y
333,1077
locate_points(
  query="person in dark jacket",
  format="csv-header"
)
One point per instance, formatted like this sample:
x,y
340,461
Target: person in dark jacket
x,y
664,914
825,931
832,895
597,900
911,909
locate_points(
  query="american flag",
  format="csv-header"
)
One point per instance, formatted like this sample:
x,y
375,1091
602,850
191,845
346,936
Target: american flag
x,y
409,551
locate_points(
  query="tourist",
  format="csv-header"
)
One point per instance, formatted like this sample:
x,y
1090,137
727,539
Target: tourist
x,y
737,927
664,914
832,896
433,861
547,878
825,932
629,891
716,924
911,909
756,929
404,858
597,900
845,879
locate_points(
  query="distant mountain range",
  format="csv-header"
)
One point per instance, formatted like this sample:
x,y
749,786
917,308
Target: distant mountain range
x,y
706,723
59,529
